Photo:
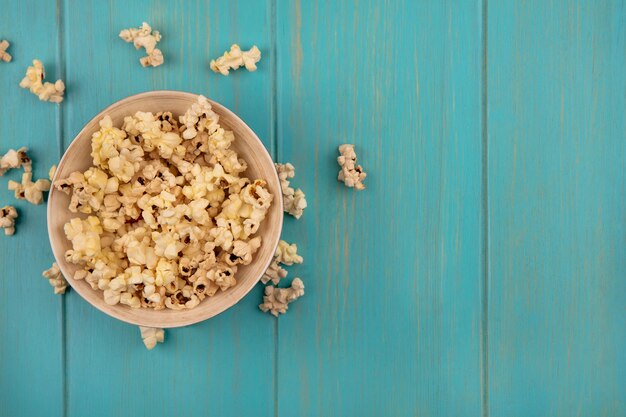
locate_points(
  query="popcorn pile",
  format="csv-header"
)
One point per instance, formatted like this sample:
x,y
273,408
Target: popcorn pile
x,y
351,174
170,215
4,55
145,37
236,58
294,201
45,91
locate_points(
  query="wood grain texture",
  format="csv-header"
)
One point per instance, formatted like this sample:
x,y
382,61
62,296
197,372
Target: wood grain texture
x,y
31,342
222,367
390,324
557,153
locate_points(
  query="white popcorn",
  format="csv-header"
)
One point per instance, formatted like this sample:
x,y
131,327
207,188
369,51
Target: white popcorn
x,y
29,190
294,201
236,58
151,336
285,254
15,159
199,118
8,214
4,55
153,59
276,300
52,92
351,174
169,224
145,37
56,279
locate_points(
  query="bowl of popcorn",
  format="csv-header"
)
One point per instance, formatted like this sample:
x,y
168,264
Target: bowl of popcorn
x,y
165,210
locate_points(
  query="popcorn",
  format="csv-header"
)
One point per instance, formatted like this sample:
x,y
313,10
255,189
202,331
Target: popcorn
x,y
351,175
45,91
285,254
236,58
294,201
4,55
145,37
8,214
29,190
169,224
15,159
56,279
52,171
276,300
151,336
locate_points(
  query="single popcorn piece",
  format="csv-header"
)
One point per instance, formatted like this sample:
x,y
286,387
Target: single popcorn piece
x,y
235,58
145,37
52,171
294,201
8,214
285,254
56,279
153,59
52,92
4,55
351,174
15,159
151,336
171,216
276,300
29,190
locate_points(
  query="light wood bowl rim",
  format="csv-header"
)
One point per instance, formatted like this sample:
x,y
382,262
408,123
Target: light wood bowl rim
x,y
143,319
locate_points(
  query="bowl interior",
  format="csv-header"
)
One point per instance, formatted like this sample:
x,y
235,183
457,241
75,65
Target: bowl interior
x,y
247,145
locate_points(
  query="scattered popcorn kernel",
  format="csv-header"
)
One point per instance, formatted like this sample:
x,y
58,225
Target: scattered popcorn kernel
x,y
276,300
153,59
286,254
53,170
294,201
151,336
4,55
29,190
14,159
8,214
52,92
236,58
351,174
168,224
145,37
56,279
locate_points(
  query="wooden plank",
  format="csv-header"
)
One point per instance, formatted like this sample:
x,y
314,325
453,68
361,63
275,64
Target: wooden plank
x,y
224,366
31,342
557,153
390,324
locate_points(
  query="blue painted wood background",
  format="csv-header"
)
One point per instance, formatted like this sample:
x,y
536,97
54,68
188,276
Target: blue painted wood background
x,y
482,272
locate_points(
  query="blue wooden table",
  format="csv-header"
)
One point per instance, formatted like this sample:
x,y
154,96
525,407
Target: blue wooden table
x,y
482,272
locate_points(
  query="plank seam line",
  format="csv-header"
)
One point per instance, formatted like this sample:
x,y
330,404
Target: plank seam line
x,y
485,214
274,152
61,6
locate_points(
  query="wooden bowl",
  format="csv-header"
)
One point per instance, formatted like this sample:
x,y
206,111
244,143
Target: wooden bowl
x,y
247,145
